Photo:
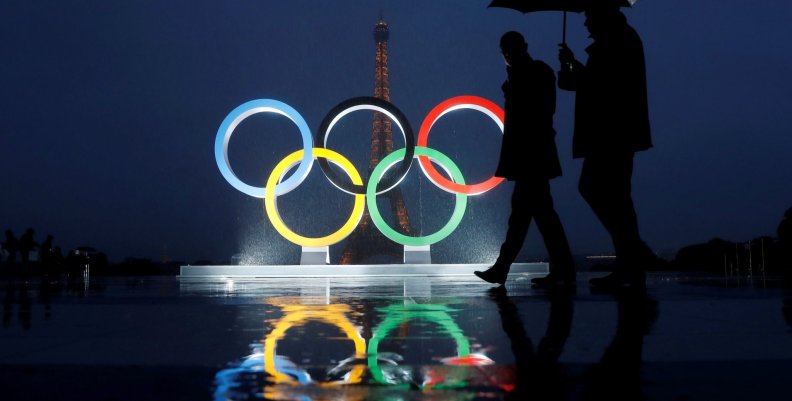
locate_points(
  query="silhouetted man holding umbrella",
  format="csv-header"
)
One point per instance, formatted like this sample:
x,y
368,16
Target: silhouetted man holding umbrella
x,y
530,159
611,124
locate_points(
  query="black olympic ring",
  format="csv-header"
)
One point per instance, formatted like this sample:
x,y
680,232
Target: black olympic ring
x,y
366,103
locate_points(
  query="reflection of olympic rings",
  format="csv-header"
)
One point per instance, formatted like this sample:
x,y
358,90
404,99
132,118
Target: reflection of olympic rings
x,y
277,186
297,315
396,315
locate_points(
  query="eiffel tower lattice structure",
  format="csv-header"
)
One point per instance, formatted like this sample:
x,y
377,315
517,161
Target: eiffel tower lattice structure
x,y
366,243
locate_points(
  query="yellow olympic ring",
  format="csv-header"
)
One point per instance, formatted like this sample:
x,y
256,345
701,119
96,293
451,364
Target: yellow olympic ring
x,y
271,205
297,315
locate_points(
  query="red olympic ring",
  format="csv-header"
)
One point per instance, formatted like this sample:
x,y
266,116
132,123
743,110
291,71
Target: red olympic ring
x,y
460,102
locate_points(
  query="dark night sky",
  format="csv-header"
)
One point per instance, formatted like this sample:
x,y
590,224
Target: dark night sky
x,y
110,111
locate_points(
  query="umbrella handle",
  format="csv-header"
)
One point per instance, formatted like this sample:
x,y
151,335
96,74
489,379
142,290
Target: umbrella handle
x,y
563,33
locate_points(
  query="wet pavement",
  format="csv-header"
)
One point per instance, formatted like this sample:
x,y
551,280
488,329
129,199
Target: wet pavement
x,y
390,338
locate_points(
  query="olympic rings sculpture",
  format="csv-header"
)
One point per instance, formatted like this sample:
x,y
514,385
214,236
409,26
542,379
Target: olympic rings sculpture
x,y
277,184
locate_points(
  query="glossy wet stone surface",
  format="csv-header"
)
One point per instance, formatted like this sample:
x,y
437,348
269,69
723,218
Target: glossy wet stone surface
x,y
391,338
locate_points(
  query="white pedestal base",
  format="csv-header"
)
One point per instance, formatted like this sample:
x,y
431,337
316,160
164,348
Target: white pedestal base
x,y
315,255
417,255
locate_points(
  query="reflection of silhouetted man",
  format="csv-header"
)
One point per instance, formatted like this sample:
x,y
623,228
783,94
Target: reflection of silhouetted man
x,y
8,302
539,376
611,124
17,292
530,159
617,376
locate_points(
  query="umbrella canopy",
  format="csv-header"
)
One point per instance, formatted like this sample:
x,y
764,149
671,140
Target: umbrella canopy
x,y
527,6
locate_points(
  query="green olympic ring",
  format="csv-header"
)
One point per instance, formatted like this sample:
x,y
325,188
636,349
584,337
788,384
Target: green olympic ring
x,y
371,197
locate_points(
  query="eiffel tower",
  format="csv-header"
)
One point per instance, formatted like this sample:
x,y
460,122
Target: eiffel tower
x,y
366,243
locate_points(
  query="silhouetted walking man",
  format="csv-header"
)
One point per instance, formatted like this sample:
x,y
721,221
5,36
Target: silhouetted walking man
x,y
611,124
530,159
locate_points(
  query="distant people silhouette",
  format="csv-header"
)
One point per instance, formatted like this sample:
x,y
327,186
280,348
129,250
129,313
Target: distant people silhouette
x,y
539,375
27,245
46,251
47,256
617,376
611,124
784,233
10,246
57,257
529,158
784,230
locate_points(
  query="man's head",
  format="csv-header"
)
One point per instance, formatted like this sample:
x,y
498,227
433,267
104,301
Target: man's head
x,y
600,16
513,46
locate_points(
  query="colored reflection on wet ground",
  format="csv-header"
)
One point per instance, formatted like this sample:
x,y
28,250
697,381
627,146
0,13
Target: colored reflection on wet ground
x,y
686,338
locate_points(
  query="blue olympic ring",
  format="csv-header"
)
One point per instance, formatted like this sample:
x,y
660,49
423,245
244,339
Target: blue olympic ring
x,y
246,110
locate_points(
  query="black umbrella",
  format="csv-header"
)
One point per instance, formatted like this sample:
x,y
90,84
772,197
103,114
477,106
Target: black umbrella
x,y
527,6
